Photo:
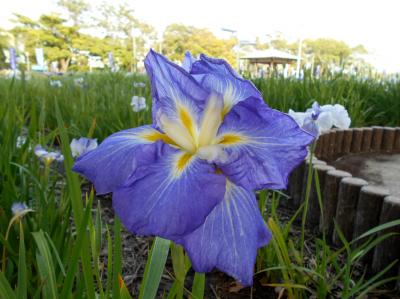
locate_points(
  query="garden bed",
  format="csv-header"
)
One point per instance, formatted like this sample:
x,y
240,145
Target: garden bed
x,y
358,173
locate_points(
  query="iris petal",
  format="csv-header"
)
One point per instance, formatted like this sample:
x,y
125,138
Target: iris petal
x,y
263,145
117,157
171,197
173,91
211,120
229,237
188,61
218,76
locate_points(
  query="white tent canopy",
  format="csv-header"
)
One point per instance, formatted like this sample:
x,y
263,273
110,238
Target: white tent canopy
x,y
270,56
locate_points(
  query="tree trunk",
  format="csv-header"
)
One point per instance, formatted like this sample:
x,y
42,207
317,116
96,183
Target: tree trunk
x,y
64,62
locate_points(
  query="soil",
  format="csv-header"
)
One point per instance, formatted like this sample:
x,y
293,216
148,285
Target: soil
x,y
134,255
218,285
378,169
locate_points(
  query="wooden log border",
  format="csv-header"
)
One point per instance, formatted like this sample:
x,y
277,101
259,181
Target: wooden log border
x,y
340,188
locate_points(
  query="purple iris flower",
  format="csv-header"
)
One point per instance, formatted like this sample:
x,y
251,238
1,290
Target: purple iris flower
x,y
310,121
190,176
18,207
316,111
188,61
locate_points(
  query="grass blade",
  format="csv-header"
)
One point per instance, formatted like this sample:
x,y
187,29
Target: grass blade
x,y
22,280
46,266
76,251
117,258
76,202
198,286
154,268
5,289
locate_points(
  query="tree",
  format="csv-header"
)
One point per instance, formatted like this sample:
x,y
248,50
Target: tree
x,y
76,10
327,50
120,24
178,39
49,33
259,45
4,43
359,49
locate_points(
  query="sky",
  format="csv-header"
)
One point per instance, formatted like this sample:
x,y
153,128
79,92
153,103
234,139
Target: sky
x,y
374,24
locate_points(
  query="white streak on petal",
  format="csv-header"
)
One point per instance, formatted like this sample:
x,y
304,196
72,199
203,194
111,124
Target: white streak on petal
x,y
211,121
213,154
177,133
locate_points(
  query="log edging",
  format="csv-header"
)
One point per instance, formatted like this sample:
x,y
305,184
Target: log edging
x,y
355,205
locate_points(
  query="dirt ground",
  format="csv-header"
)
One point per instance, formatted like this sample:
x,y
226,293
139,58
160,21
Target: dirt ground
x,y
218,285
134,255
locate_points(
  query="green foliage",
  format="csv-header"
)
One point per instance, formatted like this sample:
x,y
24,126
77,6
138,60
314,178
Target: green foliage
x,y
369,102
327,275
154,268
49,33
327,50
129,39
179,38
65,44
119,22
37,263
76,9
4,43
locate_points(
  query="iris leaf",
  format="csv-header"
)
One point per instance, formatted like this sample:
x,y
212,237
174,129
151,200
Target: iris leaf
x,y
154,268
22,281
5,289
198,286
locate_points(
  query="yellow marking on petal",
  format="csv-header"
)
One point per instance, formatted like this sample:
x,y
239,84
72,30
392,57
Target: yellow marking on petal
x,y
231,139
212,119
227,108
181,163
155,136
178,133
187,121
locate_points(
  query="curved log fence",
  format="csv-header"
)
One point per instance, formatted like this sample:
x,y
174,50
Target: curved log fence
x,y
355,205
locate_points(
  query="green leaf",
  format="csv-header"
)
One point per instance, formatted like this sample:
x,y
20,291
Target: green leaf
x,y
109,263
117,258
98,228
373,282
180,270
76,202
5,289
22,280
53,247
198,286
379,228
173,290
154,268
124,293
46,266
73,261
